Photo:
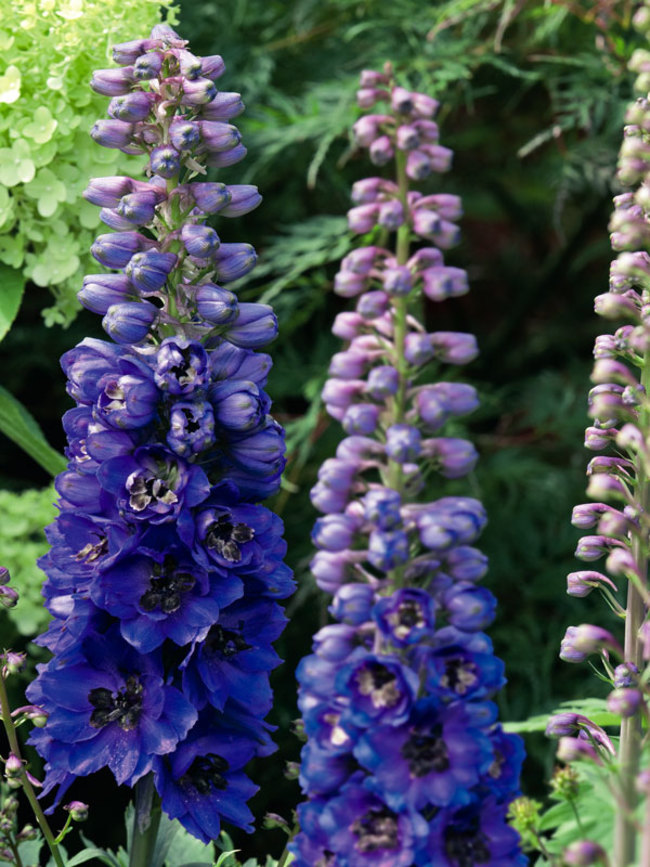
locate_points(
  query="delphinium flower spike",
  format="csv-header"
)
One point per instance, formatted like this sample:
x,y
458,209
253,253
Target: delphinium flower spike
x,y
620,483
164,572
405,762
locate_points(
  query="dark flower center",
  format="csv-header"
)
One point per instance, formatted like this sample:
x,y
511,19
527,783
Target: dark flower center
x,y
123,707
425,753
91,552
146,489
225,643
192,422
460,675
206,773
115,394
327,860
185,371
376,829
378,682
407,616
226,537
166,588
465,849
495,769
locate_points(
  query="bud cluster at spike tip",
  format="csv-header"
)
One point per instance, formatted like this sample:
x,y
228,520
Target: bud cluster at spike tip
x,y
405,762
164,572
617,524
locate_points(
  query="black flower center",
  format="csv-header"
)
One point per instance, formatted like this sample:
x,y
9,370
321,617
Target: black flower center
x,y
146,489
226,537
379,683
91,552
460,675
376,829
465,849
192,424
425,753
407,616
327,860
123,707
206,773
166,588
224,643
184,371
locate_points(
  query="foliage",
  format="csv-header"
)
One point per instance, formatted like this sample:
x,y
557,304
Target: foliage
x,y
48,51
22,542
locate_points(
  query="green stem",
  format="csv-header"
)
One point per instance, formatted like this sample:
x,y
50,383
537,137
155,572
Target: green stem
x,y
625,833
12,737
400,311
145,823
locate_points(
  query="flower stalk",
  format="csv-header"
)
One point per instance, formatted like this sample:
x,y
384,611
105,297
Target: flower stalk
x,y
165,571
405,762
620,480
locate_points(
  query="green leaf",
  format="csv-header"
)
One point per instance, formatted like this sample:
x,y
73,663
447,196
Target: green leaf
x,y
12,285
20,426
184,846
89,854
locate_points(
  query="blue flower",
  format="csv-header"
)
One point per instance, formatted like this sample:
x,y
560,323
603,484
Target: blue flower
x,y
153,484
201,782
435,758
164,595
113,708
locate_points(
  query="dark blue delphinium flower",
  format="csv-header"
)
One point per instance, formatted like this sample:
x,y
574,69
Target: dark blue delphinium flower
x,y
403,743
164,572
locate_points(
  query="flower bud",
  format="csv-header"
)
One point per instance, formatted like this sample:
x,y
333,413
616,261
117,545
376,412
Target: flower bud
x,y
215,304
624,701
200,241
78,811
255,326
626,674
112,82
115,250
224,106
132,107
165,161
113,134
130,321
8,596
233,261
583,853
210,197
243,199
198,91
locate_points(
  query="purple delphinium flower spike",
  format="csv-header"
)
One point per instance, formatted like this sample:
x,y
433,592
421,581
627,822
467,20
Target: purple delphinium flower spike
x,y
617,523
405,762
164,572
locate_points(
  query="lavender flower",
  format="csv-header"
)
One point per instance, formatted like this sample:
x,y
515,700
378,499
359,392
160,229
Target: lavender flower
x,y
405,762
164,573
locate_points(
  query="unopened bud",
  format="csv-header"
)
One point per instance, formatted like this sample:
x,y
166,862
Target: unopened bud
x,y
78,811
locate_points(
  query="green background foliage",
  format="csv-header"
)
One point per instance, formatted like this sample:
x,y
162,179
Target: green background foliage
x,y
532,100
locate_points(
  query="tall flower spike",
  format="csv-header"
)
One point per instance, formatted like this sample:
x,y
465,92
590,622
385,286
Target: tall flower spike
x,y
405,762
164,574
620,481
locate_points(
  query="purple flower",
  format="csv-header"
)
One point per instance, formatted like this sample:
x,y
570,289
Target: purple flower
x,y
181,366
435,758
202,781
380,689
153,484
111,707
